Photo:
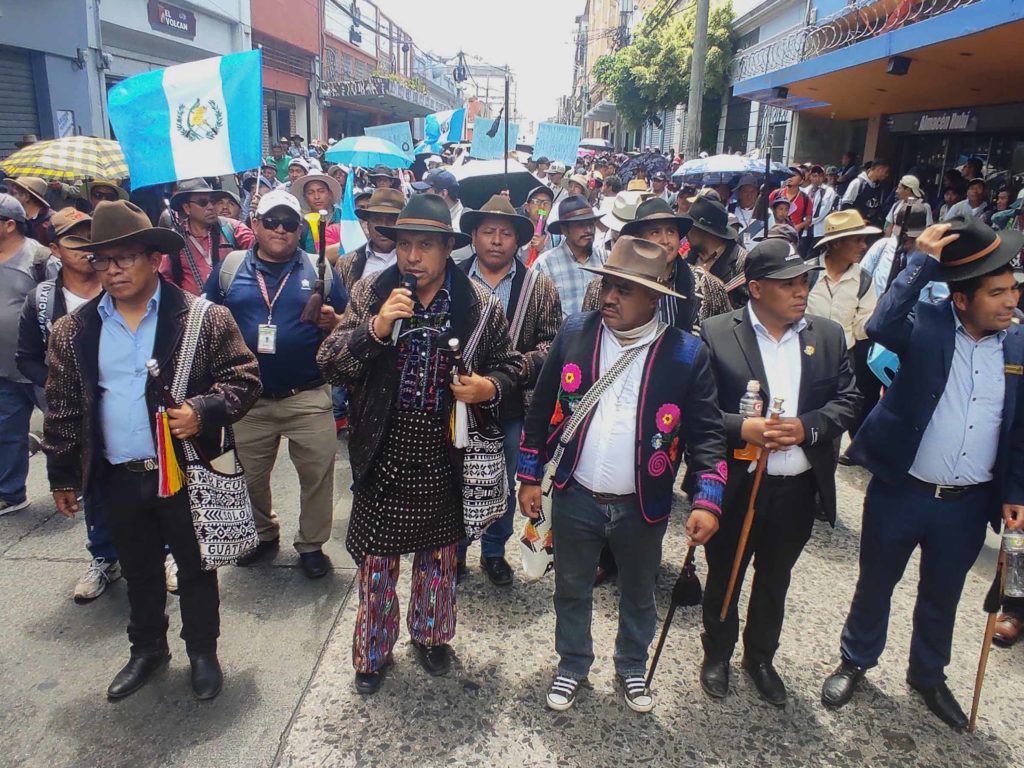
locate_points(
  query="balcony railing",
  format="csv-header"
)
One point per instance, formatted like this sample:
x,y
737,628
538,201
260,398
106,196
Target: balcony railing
x,y
858,21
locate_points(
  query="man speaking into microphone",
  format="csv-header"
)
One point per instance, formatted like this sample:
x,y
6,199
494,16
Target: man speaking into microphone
x,y
391,350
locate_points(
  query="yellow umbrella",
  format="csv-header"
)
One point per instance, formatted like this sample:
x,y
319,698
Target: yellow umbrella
x,y
72,158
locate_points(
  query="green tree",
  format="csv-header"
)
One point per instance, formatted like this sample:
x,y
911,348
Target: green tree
x,y
652,73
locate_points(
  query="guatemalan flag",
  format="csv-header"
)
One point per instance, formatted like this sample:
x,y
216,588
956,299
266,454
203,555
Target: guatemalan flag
x,y
441,128
198,119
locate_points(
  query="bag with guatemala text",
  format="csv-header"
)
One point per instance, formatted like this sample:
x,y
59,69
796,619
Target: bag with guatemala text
x,y
536,544
217,493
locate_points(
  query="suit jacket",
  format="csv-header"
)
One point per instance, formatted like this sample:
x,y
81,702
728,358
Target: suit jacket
x,y
350,267
923,335
223,384
677,405
828,400
541,322
351,356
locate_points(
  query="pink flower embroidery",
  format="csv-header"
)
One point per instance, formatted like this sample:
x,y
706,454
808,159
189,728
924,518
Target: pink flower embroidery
x,y
667,417
571,376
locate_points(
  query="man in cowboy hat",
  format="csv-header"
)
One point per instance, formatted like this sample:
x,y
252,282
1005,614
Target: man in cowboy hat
x,y
382,177
227,204
943,449
713,247
801,359
498,233
97,191
577,222
907,191
622,210
540,199
614,483
207,237
319,192
378,253
391,350
100,431
295,148
30,191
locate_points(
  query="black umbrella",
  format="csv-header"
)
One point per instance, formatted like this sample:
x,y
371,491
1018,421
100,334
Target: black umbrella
x,y
480,180
687,591
650,162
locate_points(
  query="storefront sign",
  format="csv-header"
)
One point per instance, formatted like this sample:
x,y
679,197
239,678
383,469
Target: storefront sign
x,y
374,86
172,19
951,121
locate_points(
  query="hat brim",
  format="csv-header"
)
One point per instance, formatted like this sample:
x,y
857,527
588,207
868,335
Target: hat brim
x,y
726,234
787,273
654,285
121,193
298,187
365,213
555,227
523,226
1011,242
160,238
858,232
180,198
391,233
41,200
685,224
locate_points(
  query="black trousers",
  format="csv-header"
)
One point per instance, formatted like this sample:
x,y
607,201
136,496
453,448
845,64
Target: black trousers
x,y
782,526
142,523
867,383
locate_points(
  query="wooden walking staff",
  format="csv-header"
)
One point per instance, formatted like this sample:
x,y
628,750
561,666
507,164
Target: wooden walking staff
x,y
762,463
992,602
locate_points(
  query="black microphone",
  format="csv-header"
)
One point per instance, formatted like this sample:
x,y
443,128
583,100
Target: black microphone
x,y
408,281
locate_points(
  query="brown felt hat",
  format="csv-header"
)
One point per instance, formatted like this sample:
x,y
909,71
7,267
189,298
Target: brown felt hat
x,y
639,261
387,200
117,222
500,207
34,186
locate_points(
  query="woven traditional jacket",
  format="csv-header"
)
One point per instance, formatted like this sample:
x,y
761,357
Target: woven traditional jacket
x,y
540,326
223,384
678,406
350,267
351,356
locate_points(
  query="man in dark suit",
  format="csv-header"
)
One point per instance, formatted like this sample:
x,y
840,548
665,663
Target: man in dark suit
x,y
945,448
803,360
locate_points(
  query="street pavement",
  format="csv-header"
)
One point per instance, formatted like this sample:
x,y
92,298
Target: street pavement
x,y
288,698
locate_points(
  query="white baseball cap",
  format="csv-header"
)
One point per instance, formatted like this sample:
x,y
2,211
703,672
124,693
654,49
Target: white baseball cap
x,y
556,168
278,198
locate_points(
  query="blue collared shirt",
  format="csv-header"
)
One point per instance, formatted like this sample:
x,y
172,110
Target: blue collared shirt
x,y
878,263
124,415
960,443
503,290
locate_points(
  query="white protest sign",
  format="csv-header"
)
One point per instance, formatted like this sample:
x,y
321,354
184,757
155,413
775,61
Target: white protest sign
x,y
399,134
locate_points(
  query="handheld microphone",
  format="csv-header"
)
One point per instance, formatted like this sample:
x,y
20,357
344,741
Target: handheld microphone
x,y
408,281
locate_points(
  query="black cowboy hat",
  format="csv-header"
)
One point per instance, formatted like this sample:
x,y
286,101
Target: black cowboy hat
x,y
500,207
187,188
656,209
574,208
711,217
426,213
117,222
978,251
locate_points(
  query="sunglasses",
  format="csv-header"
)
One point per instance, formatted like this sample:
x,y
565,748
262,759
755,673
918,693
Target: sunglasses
x,y
290,223
202,202
108,197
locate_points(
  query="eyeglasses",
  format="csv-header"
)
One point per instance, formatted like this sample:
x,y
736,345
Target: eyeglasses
x,y
289,223
202,202
102,263
539,201
108,197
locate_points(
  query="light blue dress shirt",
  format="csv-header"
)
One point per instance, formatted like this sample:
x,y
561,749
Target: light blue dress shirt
x,y
878,263
124,415
960,443
503,290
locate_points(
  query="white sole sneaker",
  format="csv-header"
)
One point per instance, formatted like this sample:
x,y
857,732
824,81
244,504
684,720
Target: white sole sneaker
x,y
561,693
636,694
6,509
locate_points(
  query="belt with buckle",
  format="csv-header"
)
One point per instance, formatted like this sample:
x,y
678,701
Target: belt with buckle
x,y
606,498
944,492
139,465
285,394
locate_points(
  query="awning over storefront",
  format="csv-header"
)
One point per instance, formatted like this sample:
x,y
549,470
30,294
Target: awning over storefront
x,y
603,112
966,57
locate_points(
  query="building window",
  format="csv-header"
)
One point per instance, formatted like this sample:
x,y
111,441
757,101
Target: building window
x,y
748,40
737,125
332,65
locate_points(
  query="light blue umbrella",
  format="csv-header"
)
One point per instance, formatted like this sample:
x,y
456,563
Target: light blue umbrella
x,y
366,152
722,169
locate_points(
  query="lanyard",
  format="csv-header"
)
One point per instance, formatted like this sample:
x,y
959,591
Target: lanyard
x,y
270,302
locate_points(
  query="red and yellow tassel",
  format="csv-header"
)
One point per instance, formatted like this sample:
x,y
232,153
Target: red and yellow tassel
x,y
172,479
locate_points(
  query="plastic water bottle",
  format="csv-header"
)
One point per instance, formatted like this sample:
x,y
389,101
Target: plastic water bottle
x,y
751,407
1013,549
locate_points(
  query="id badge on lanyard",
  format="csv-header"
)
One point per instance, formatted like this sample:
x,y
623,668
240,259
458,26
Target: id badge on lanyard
x,y
266,339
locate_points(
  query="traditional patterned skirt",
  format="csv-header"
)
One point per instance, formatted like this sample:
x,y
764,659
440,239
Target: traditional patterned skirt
x,y
407,503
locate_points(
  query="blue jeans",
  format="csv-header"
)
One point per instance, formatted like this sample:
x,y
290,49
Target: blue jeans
x,y
339,400
492,543
898,520
582,526
16,404
100,541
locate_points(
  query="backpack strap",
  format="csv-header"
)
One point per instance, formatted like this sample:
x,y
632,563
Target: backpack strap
x,y
227,232
524,301
866,281
44,308
233,262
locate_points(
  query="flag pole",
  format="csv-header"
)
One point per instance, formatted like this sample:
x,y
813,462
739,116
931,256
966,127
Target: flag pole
x,y
505,181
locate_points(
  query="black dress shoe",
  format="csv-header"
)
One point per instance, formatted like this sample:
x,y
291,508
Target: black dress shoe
x,y
498,570
369,682
840,685
943,705
767,681
714,678
436,659
136,672
263,549
207,679
846,461
314,564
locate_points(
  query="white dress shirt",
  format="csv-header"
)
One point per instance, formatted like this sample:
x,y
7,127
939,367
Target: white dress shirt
x,y
823,200
607,461
782,366
378,262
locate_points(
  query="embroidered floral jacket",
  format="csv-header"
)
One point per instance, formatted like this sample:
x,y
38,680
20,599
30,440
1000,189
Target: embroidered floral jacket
x,y
678,406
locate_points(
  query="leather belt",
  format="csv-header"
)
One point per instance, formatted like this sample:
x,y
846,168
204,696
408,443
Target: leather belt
x,y
139,465
606,498
284,395
944,492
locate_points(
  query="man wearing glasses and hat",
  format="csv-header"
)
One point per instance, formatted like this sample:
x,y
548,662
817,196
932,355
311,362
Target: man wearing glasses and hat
x,y
382,177
381,210
577,221
945,448
713,247
99,191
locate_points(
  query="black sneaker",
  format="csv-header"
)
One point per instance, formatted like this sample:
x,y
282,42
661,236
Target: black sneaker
x,y
636,693
262,549
561,693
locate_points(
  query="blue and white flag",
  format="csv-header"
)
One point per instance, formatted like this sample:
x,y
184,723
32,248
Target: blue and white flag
x,y
198,119
352,235
441,128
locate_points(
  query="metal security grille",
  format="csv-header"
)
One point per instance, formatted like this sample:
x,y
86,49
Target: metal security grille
x,y
285,61
18,114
